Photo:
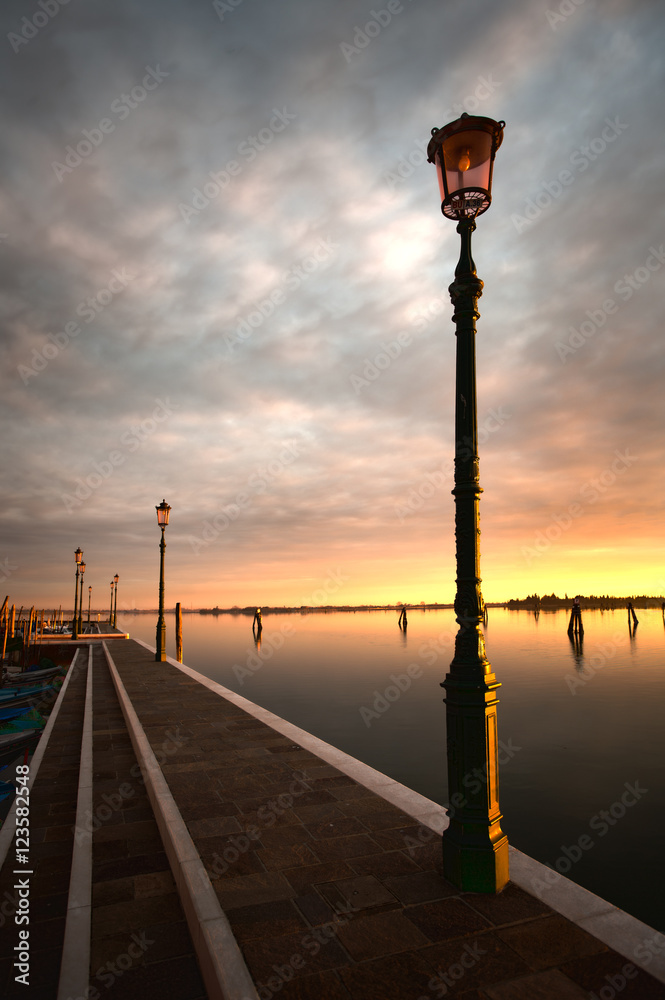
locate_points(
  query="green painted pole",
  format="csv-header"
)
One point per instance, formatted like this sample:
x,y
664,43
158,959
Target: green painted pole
x,y
475,849
160,644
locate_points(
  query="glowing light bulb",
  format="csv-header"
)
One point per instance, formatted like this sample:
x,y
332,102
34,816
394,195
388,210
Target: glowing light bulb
x,y
464,161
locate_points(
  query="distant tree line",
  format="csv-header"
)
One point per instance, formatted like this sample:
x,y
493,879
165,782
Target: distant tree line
x,y
603,601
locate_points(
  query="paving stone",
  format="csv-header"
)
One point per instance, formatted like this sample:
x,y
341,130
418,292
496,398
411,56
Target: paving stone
x,y
266,920
445,919
320,986
386,863
359,893
294,954
550,941
420,887
396,977
607,971
339,848
552,985
471,962
287,856
367,937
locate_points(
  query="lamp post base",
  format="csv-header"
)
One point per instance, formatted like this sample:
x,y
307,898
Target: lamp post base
x,y
476,869
160,653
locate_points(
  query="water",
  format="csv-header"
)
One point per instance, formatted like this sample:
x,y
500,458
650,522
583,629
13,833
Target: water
x,y
582,737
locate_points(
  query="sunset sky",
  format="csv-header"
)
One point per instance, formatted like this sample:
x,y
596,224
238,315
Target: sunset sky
x,y
225,283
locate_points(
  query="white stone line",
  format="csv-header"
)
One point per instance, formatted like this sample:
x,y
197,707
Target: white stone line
x,y
75,964
9,825
630,937
223,968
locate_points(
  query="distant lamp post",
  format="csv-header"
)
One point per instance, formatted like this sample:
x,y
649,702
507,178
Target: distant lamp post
x,y
80,628
163,512
475,849
89,599
77,556
115,608
111,611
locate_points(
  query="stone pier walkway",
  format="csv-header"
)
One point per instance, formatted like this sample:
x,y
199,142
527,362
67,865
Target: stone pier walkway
x,y
228,859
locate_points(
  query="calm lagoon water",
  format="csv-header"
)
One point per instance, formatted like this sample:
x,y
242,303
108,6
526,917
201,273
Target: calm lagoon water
x,y
577,728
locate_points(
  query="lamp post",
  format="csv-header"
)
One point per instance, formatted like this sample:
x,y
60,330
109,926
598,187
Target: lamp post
x,y
77,557
80,627
115,607
162,520
475,849
89,599
111,611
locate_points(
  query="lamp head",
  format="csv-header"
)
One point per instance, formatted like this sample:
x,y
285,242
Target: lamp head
x,y
163,512
463,152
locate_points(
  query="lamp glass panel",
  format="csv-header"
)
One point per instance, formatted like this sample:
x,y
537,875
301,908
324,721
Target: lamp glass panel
x,y
163,512
467,158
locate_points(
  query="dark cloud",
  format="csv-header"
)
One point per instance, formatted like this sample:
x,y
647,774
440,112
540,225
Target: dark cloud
x,y
221,241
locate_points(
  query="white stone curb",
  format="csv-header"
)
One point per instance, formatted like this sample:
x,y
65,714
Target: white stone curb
x,y
223,968
75,964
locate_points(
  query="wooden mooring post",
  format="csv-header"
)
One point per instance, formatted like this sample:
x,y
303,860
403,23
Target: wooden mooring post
x,y
575,626
178,633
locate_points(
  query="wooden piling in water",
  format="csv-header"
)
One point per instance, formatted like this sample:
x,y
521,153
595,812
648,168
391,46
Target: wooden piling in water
x,y
178,633
575,626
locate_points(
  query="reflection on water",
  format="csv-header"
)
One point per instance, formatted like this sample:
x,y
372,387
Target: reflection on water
x,y
582,745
